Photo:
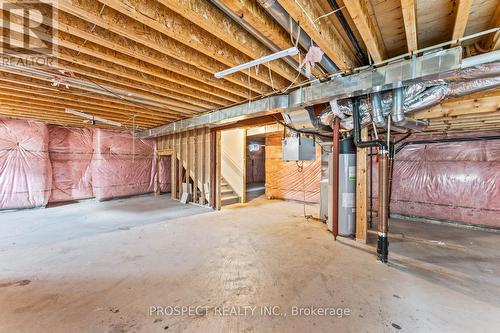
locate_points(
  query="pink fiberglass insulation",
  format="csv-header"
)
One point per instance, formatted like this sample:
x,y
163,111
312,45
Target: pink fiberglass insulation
x,y
164,174
25,170
122,165
454,181
70,154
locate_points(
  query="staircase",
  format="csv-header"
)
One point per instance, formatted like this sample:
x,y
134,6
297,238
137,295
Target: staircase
x,y
228,196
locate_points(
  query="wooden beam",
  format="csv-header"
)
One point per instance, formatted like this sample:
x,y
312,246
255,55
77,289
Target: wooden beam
x,y
461,18
109,61
253,14
492,41
55,106
361,190
144,34
19,77
367,28
408,7
323,35
77,101
215,22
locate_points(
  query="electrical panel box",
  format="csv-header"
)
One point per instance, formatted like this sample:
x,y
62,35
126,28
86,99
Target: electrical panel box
x,y
299,149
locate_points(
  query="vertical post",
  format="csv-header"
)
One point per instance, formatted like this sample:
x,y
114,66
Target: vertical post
x,y
361,190
219,174
188,163
180,166
173,168
213,168
157,175
335,177
244,196
195,167
203,163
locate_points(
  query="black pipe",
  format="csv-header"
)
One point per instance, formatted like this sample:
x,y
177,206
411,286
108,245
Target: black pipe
x,y
461,139
359,51
357,130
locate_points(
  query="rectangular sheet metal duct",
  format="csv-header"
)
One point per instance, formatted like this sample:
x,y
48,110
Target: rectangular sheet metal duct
x,y
431,66
261,107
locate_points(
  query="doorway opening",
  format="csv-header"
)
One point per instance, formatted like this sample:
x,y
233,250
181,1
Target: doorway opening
x,y
255,166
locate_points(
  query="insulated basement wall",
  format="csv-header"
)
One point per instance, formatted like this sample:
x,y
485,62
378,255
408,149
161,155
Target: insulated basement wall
x,y
122,165
283,180
70,152
39,161
25,169
456,181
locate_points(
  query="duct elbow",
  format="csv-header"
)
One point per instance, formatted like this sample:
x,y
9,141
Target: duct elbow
x,y
377,110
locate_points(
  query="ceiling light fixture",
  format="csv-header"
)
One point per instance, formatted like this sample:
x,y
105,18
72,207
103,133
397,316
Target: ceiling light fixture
x,y
281,54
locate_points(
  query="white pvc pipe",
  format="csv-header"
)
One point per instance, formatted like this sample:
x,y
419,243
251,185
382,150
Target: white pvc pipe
x,y
481,59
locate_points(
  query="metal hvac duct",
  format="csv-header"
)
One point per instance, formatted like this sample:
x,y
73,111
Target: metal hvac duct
x,y
398,115
436,72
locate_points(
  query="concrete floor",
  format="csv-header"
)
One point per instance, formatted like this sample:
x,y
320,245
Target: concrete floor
x,y
100,267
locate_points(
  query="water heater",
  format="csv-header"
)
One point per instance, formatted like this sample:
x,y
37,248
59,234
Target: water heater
x,y
347,188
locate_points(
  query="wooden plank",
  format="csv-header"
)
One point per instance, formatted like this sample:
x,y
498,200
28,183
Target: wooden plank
x,y
180,164
361,190
461,18
254,15
173,168
144,34
96,57
187,174
195,167
213,169
29,85
359,13
219,173
214,21
244,196
325,36
186,37
203,163
409,18
492,41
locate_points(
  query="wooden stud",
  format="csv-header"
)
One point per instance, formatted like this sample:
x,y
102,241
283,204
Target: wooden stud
x,y
361,190
325,35
203,163
367,29
408,8
461,18
195,166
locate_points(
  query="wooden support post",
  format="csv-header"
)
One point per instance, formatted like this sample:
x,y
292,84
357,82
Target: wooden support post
x,y
219,174
244,195
180,166
195,167
213,169
188,163
361,190
203,163
173,168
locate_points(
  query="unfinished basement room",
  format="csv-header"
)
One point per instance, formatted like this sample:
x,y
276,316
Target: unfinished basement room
x,y
249,166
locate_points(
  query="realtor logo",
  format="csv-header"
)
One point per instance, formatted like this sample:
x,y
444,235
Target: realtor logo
x,y
29,32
